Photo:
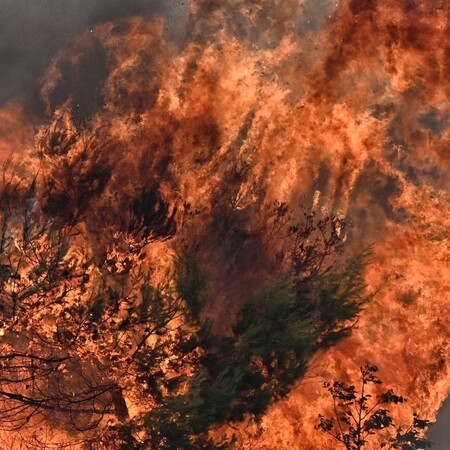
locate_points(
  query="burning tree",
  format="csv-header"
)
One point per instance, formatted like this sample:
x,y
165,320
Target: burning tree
x,y
123,354
358,416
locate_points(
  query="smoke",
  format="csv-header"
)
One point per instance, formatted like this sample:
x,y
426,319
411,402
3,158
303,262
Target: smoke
x,y
227,106
33,31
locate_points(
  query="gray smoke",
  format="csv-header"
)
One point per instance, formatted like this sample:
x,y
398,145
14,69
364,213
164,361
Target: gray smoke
x,y
439,433
31,31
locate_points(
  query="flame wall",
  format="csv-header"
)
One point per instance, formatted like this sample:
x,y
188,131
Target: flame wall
x,y
341,106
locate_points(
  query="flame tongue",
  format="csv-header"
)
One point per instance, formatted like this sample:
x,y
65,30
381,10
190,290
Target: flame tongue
x,y
344,107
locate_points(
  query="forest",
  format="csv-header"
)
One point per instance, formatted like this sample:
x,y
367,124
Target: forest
x,y
223,224
115,343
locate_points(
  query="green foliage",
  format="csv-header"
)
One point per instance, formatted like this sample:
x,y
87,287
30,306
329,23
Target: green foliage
x,y
334,299
190,283
96,330
358,416
275,334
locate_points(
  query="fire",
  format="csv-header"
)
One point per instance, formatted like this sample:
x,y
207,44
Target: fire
x,y
344,109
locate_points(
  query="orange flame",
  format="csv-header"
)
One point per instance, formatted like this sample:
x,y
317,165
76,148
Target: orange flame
x,y
348,113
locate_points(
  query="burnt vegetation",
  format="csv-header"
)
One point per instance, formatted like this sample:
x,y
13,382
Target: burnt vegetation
x,y
96,344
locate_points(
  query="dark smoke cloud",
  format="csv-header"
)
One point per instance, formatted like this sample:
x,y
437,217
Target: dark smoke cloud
x,y
31,31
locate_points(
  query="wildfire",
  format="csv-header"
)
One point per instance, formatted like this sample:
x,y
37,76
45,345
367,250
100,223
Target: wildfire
x,y
342,107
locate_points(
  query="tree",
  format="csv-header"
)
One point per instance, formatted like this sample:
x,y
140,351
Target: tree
x,y
118,351
242,374
358,416
70,328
